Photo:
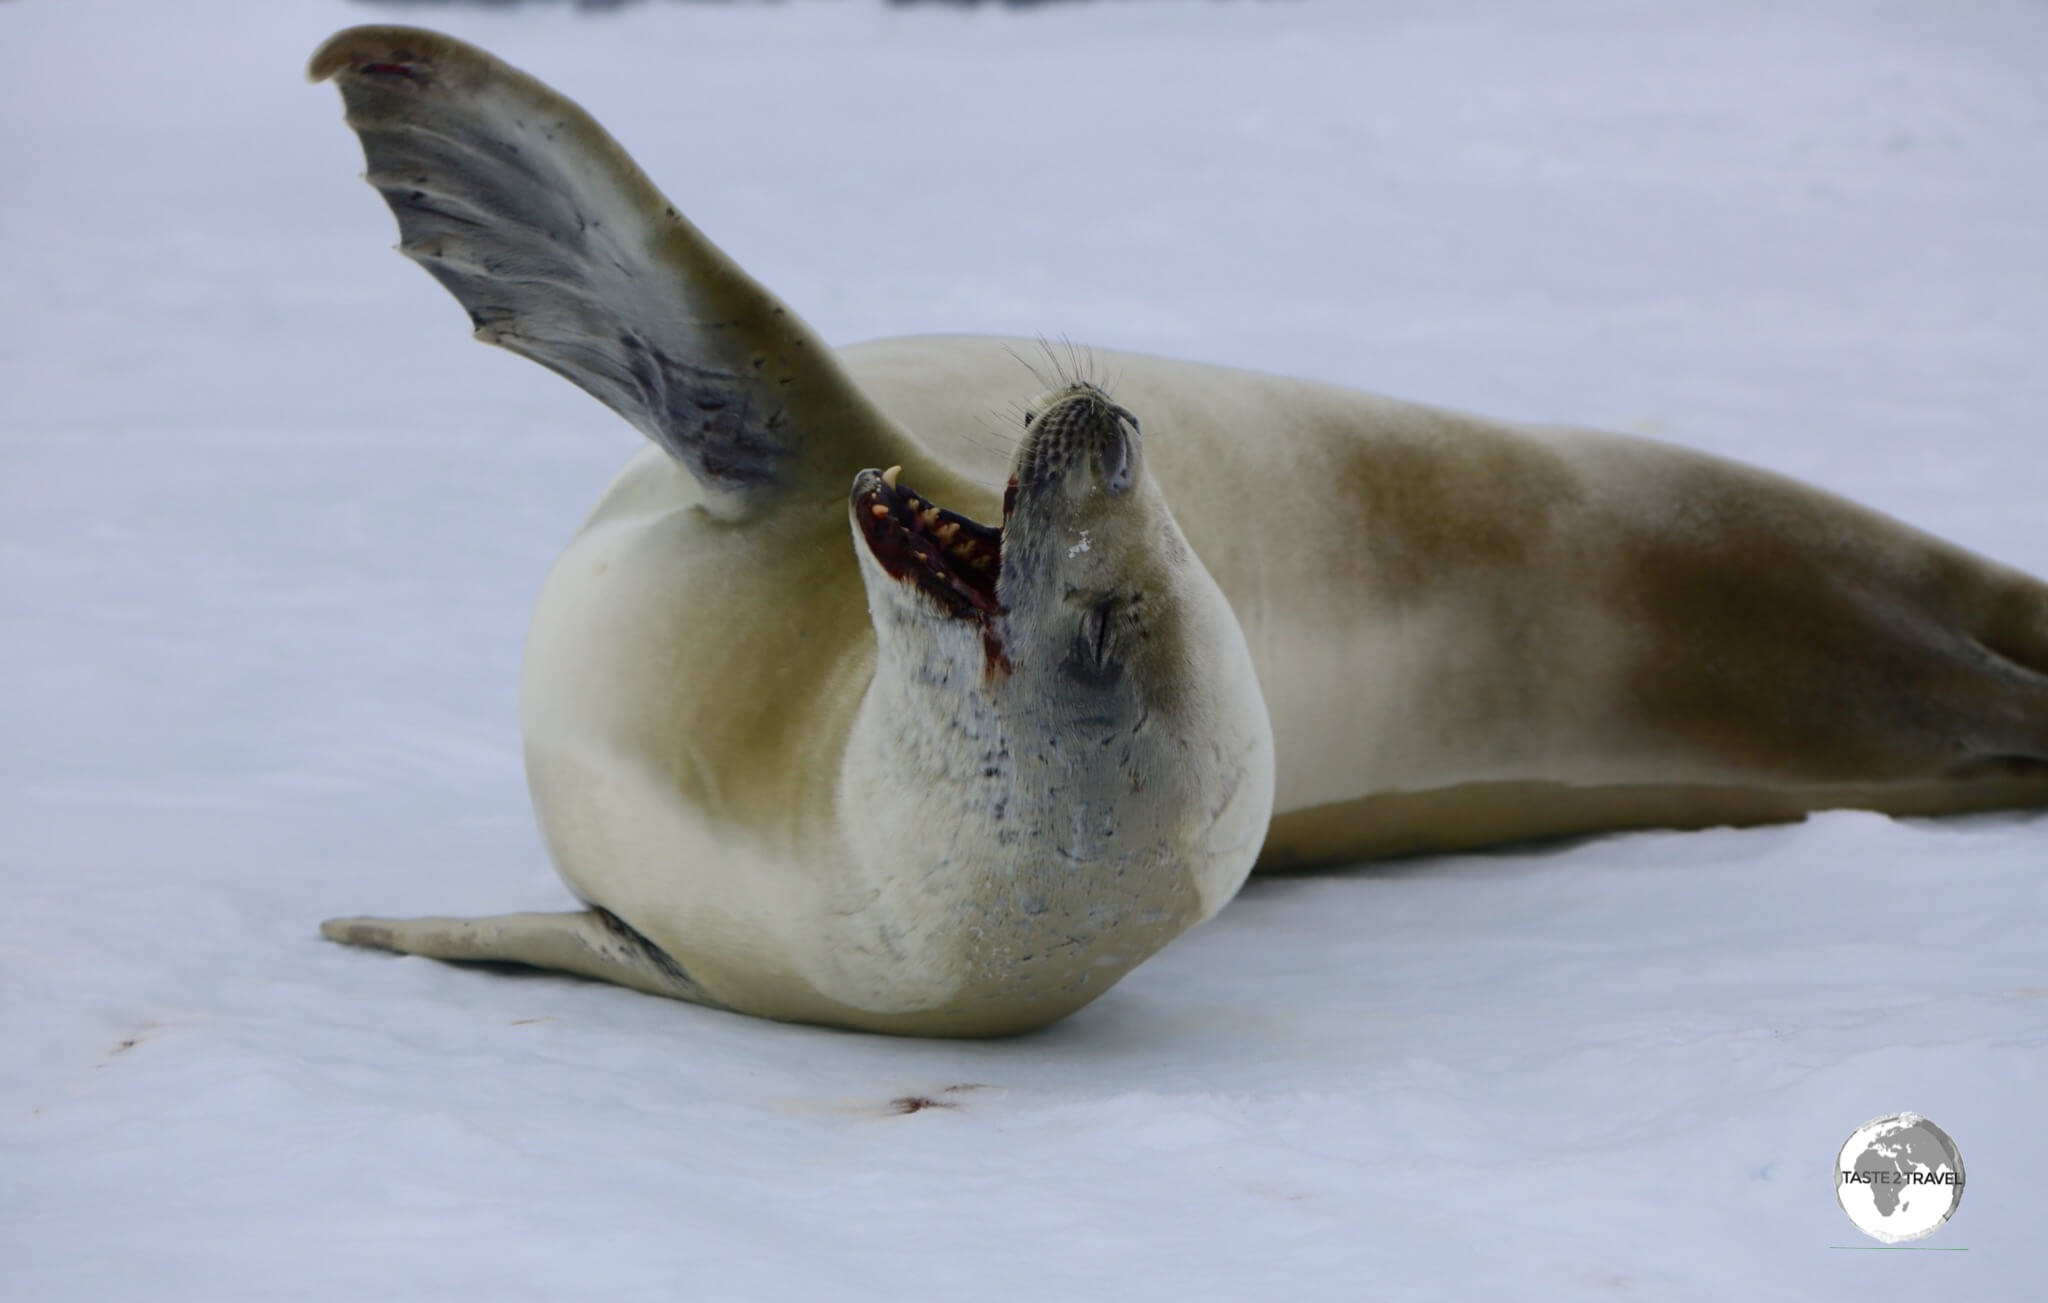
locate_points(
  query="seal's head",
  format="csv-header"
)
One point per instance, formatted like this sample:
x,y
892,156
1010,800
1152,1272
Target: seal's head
x,y
1083,529
1064,735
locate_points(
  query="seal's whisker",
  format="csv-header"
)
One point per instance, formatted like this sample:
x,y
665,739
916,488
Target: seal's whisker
x,y
996,447
1078,361
1029,365
1062,373
1001,446
993,486
1019,417
996,438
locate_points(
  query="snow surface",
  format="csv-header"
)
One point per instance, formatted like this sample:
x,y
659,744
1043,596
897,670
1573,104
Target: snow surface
x,y
269,530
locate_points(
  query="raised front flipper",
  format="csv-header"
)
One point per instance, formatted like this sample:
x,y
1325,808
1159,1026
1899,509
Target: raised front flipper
x,y
565,253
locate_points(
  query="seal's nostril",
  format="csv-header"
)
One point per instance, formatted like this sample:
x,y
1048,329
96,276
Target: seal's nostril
x,y
1119,465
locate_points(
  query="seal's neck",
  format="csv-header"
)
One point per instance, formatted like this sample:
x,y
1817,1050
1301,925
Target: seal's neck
x,y
988,799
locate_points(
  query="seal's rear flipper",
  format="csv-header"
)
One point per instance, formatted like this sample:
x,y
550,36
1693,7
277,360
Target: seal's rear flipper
x,y
590,943
564,252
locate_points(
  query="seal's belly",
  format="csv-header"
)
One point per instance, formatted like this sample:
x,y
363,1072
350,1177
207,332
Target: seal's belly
x,y
689,706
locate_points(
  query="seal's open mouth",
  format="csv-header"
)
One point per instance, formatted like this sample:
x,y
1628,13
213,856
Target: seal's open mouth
x,y
951,557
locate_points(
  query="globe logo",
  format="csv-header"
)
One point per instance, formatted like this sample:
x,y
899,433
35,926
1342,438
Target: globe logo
x,y
1899,1178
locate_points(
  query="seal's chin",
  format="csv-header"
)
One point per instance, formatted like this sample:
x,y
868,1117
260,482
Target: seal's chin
x,y
954,559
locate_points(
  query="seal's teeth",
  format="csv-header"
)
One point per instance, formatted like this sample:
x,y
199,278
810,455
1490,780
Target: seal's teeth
x,y
946,532
889,476
879,511
930,517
